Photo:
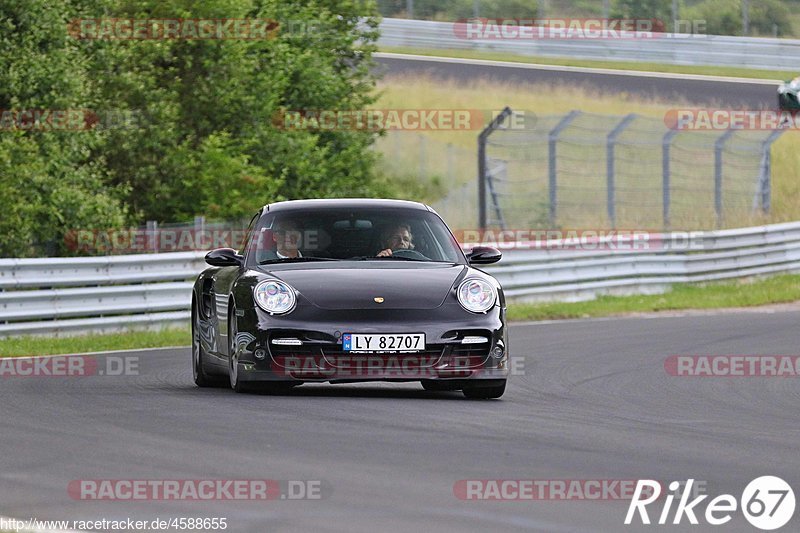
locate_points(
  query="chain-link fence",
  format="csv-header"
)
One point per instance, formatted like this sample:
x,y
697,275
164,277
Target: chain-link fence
x,y
590,170
445,171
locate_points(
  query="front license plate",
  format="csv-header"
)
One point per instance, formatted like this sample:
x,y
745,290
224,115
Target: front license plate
x,y
383,343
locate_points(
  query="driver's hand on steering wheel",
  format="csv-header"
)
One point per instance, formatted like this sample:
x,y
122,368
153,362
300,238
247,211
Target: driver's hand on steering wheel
x,y
385,253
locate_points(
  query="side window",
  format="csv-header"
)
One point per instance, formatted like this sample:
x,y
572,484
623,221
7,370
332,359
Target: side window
x,y
249,234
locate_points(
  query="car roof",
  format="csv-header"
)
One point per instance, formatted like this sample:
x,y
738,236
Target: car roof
x,y
344,203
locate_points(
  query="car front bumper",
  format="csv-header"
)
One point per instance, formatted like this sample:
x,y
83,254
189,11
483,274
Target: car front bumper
x,y
319,356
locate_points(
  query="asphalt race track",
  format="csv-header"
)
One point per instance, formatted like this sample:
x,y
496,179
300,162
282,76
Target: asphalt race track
x,y
755,94
594,403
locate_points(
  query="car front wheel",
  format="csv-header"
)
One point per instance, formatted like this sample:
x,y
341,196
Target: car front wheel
x,y
201,377
233,353
485,393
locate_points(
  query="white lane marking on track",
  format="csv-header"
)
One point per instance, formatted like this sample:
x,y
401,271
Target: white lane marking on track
x,y
587,70
107,352
677,313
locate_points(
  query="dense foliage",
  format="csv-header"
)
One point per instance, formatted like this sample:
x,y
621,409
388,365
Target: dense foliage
x,y
195,128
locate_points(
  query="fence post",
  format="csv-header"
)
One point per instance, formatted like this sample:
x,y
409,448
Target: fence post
x,y
483,137
611,139
152,232
490,177
422,156
199,230
765,172
666,144
450,165
719,145
552,181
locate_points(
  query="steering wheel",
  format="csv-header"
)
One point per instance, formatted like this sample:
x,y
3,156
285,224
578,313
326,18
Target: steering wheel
x,y
409,254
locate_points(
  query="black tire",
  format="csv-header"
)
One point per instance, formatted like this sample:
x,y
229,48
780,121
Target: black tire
x,y
233,354
201,377
439,386
485,393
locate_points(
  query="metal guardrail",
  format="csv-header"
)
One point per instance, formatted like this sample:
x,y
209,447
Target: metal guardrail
x,y
577,275
673,49
62,295
70,295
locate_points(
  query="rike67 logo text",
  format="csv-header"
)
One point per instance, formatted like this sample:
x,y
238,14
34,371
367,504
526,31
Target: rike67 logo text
x,y
767,502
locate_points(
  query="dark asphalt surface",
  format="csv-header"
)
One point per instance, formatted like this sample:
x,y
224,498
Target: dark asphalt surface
x,y
594,403
696,92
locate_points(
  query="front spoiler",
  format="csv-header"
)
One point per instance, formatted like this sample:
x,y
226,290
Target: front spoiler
x,y
249,373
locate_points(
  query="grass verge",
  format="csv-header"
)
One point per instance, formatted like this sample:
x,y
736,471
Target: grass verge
x,y
614,65
36,345
740,293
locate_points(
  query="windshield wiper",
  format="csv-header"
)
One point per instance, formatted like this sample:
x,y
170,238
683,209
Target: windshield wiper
x,y
296,260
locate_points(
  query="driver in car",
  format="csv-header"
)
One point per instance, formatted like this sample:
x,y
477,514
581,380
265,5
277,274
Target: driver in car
x,y
397,237
286,236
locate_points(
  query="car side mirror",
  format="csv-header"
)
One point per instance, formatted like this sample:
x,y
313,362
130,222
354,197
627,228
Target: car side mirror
x,y
224,257
484,255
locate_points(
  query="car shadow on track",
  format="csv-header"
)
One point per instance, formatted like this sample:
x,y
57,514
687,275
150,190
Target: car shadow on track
x,y
346,391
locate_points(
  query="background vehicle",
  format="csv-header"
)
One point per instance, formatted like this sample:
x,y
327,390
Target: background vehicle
x,y
787,95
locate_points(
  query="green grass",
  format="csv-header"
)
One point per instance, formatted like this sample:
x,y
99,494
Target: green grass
x,y
37,345
740,293
616,65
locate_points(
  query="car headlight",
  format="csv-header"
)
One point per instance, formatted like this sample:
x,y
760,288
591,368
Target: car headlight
x,y
476,295
275,297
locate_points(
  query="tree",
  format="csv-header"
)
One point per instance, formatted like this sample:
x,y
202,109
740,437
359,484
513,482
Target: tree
x,y
49,181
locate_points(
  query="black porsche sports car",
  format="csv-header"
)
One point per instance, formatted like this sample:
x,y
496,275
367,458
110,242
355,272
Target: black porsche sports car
x,y
349,291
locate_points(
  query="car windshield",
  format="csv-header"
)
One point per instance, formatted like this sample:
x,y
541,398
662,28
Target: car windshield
x,y
362,234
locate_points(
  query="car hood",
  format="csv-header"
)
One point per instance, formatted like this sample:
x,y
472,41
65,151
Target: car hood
x,y
402,286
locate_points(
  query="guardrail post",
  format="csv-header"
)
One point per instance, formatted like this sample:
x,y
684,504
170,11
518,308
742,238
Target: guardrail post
x,y
719,145
666,144
483,137
765,172
611,139
552,179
